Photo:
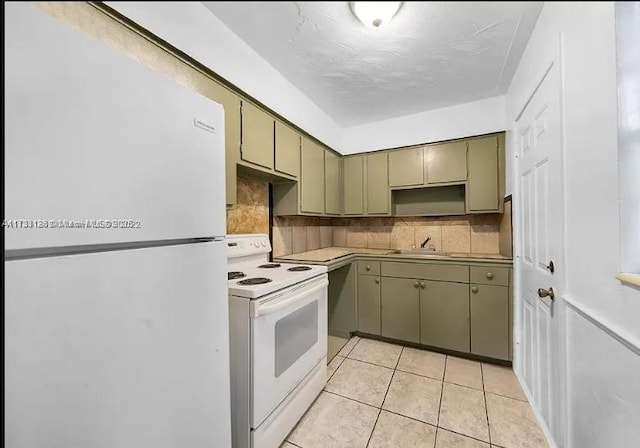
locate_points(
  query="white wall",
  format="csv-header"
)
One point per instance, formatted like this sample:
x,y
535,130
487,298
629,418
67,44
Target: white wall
x,y
464,120
628,59
192,28
602,319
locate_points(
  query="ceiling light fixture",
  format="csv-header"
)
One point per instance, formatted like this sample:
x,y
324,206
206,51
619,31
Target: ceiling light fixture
x,y
375,14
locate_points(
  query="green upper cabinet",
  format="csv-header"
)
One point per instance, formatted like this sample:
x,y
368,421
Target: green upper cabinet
x,y
353,185
486,175
332,190
406,167
312,177
446,162
400,309
257,136
377,192
287,149
231,104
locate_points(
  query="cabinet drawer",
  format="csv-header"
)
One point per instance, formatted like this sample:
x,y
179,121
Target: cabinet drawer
x,y
490,275
369,267
444,272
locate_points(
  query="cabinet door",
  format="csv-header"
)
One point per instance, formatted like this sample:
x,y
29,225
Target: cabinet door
x,y
400,309
342,299
353,185
444,315
312,177
369,304
446,162
257,136
231,103
483,186
332,183
406,167
287,150
377,184
490,321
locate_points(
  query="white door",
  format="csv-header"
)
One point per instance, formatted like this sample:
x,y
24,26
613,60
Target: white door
x,y
93,135
118,349
539,149
288,339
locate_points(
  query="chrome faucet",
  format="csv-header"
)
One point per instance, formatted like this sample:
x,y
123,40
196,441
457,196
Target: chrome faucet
x,y
424,243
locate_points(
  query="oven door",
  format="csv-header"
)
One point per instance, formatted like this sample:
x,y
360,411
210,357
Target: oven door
x,y
288,339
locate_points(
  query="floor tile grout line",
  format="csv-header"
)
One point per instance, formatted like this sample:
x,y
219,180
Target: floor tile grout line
x,y
442,391
463,435
298,446
507,396
352,399
484,398
385,397
354,346
334,372
419,374
370,363
408,417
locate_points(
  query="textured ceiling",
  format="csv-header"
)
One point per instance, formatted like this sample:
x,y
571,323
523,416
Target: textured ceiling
x,y
432,54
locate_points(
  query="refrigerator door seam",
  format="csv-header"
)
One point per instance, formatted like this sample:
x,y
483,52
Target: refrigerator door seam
x,y
45,252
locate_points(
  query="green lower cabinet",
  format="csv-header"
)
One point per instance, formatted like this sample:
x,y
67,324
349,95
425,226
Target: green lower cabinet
x,y
400,309
444,315
490,321
369,304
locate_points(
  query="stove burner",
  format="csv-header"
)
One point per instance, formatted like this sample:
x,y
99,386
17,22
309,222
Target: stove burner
x,y
254,281
235,275
269,265
299,268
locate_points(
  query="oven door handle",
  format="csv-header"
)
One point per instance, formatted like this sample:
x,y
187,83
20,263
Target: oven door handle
x,y
275,305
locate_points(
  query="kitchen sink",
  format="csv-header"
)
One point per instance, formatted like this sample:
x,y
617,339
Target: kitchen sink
x,y
432,253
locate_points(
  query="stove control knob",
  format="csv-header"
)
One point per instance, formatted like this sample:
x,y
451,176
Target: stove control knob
x,y
264,244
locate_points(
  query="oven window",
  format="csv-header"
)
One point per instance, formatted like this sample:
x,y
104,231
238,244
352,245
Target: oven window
x,y
296,333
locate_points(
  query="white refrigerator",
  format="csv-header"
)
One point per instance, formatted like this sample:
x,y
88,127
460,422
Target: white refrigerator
x,y
116,313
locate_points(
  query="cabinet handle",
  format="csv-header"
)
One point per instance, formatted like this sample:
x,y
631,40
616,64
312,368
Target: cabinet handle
x,y
422,285
377,279
416,284
489,275
474,289
368,268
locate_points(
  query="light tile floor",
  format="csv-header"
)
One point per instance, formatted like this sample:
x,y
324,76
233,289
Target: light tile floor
x,y
382,395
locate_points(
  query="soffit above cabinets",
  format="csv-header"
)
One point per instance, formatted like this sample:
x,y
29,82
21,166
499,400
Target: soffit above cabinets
x,y
431,55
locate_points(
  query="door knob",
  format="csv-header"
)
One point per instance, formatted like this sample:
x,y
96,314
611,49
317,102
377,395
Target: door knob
x,y
416,284
377,279
489,275
368,268
546,293
551,267
474,289
422,285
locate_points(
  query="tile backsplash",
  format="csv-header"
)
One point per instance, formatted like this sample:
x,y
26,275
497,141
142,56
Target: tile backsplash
x,y
251,214
486,234
470,233
294,234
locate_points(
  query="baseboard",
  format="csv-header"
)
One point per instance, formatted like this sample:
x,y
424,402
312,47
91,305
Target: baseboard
x,y
545,430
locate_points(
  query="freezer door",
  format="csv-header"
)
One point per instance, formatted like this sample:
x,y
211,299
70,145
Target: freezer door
x,y
118,349
93,135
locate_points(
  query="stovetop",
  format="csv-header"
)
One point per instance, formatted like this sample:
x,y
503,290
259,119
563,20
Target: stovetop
x,y
252,275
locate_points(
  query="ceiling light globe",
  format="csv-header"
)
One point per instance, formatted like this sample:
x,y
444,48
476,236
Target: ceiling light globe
x,y
375,15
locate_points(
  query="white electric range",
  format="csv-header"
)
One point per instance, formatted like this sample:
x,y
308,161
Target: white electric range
x,y
278,337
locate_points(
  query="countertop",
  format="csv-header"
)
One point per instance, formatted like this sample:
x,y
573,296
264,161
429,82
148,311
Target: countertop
x,y
334,257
